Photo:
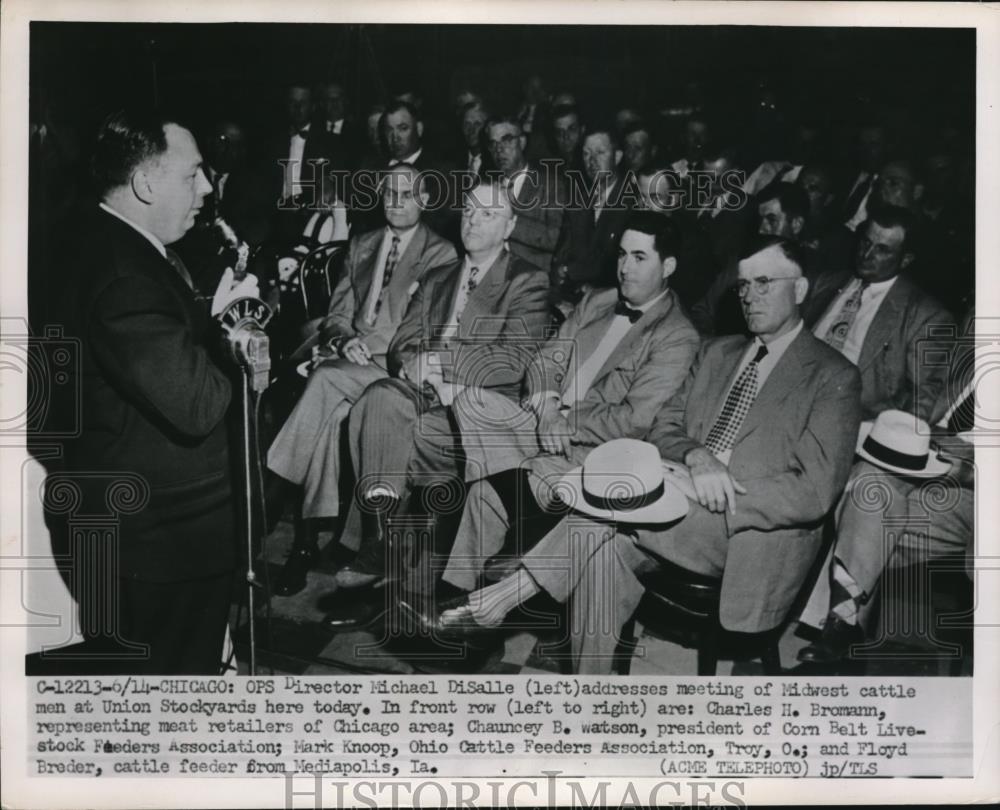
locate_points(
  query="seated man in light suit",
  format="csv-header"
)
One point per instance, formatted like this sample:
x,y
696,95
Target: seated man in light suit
x,y
877,316
367,306
766,427
617,359
476,324
909,513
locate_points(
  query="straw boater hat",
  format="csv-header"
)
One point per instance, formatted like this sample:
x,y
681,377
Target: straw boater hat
x,y
900,442
622,480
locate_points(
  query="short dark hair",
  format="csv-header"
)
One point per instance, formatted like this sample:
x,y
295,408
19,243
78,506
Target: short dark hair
x,y
791,249
793,200
126,140
638,126
603,128
566,109
892,216
505,118
396,105
663,231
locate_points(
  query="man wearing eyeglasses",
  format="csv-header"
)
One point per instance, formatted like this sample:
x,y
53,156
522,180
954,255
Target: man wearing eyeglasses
x,y
473,324
766,429
349,347
532,192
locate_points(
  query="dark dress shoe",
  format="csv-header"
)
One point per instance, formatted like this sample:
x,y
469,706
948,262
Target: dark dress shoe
x,y
292,578
834,643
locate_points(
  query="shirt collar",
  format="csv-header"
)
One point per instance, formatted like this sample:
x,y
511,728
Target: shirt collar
x,y
152,239
405,237
881,286
651,303
777,347
408,159
484,266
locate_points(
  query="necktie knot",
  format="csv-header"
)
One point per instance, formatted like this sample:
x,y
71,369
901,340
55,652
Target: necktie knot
x,y
761,353
473,278
621,308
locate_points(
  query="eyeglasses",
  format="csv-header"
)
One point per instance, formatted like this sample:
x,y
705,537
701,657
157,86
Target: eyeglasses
x,y
484,214
761,284
506,141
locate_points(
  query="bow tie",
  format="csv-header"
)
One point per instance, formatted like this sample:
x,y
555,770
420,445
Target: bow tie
x,y
621,308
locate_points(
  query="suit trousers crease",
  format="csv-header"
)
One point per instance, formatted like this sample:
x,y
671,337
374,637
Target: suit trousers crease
x,y
399,436
306,450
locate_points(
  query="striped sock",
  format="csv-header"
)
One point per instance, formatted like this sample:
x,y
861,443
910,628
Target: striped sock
x,y
844,593
490,605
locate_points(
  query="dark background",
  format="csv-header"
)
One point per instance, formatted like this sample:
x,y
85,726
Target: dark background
x,y
914,77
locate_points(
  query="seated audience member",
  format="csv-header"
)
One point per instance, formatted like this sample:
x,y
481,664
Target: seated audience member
x,y
474,324
351,343
639,147
716,205
765,427
877,316
924,479
533,118
588,245
533,194
567,136
331,108
473,118
660,190
695,140
871,147
615,361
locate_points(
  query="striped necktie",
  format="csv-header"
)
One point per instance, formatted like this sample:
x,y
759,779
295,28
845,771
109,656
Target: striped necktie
x,y
390,264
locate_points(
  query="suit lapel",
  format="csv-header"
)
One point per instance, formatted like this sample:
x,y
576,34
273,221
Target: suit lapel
x,y
483,298
719,381
366,268
883,323
787,375
402,276
634,335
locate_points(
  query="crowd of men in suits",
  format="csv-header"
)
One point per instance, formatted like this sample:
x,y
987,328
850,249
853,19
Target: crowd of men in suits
x,y
510,334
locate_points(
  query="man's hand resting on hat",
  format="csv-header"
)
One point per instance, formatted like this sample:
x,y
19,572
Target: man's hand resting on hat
x,y
553,429
715,487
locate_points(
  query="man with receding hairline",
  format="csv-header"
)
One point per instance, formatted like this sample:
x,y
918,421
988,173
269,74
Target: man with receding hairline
x,y
153,407
473,324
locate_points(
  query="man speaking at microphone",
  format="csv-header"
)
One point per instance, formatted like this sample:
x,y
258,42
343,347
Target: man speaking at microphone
x,y
152,454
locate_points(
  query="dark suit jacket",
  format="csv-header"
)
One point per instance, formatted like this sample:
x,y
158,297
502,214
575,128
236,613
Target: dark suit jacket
x,y
894,375
349,303
153,406
504,319
793,454
589,249
539,208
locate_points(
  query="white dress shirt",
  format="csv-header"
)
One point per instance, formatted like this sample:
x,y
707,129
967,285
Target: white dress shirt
x,y
578,385
383,255
862,213
871,300
293,171
408,159
775,349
